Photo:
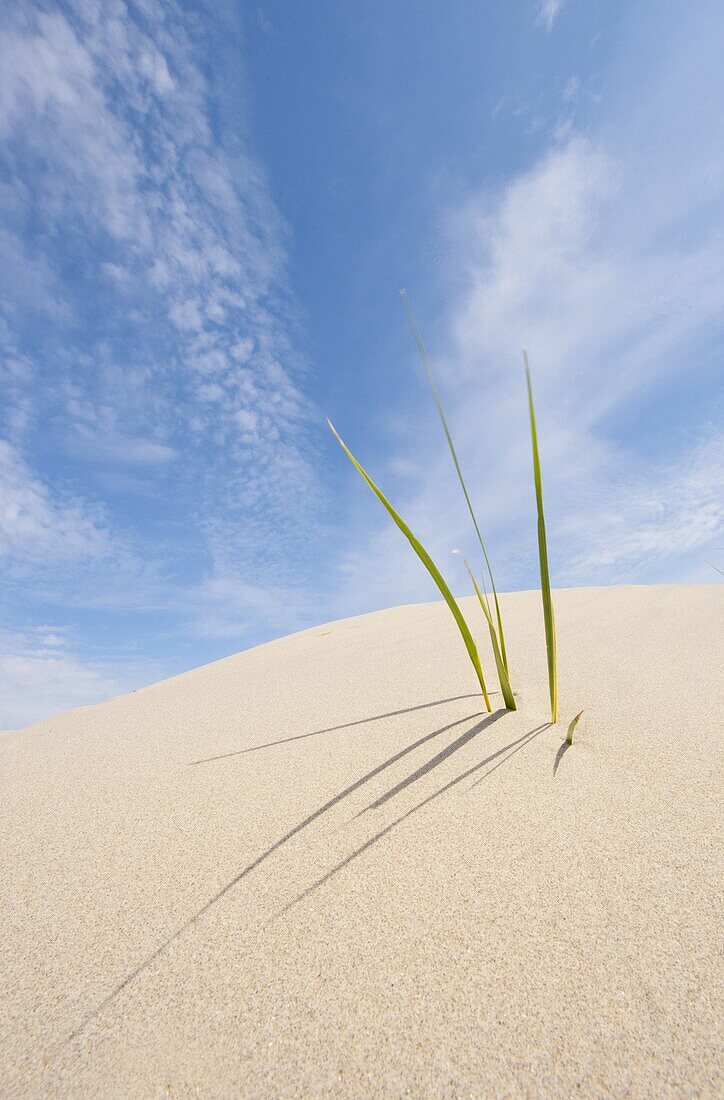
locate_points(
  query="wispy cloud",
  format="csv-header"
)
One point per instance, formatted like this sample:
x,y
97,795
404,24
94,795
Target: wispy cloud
x,y
657,516
605,258
180,226
172,343
558,265
58,548
42,672
263,22
37,526
548,11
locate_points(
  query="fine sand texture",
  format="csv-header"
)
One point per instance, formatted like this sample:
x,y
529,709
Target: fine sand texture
x,y
319,868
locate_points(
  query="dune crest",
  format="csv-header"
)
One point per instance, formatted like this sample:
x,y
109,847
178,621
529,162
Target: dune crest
x,y
320,868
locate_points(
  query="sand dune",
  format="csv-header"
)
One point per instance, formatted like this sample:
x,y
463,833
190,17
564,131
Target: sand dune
x,y
318,868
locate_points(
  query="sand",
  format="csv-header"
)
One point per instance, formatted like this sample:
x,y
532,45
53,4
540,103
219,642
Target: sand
x,y
318,868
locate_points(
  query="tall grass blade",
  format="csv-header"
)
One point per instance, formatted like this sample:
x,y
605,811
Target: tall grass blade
x,y
433,386
499,663
427,562
545,580
572,726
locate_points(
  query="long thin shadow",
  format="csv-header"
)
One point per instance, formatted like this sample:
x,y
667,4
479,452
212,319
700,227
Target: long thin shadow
x,y
515,746
559,756
118,989
332,729
519,745
458,743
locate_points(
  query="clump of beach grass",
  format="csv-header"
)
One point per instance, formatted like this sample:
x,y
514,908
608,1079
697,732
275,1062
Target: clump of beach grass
x,y
427,562
501,657
497,636
545,580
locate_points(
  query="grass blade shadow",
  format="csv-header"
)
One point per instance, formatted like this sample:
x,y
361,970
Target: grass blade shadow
x,y
331,729
514,745
565,746
220,894
453,747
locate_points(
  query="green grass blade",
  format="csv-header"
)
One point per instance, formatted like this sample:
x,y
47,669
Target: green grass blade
x,y
435,393
499,664
427,562
545,580
572,726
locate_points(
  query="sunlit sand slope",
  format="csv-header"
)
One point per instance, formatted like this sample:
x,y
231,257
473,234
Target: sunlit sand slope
x,y
318,868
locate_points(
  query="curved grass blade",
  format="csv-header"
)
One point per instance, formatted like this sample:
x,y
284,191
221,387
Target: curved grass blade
x,y
572,726
499,664
427,562
433,386
545,580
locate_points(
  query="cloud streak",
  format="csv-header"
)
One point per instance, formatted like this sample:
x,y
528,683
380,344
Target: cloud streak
x,y
605,259
182,234
42,671
175,347
548,12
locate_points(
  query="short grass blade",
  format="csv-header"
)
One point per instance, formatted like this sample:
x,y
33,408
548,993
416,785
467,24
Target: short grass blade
x,y
433,386
499,664
545,580
427,562
572,726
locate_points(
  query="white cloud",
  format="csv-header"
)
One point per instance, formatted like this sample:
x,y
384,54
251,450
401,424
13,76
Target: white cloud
x,y
41,673
26,280
556,265
527,247
225,606
583,261
192,365
49,75
403,467
171,214
548,11
671,513
263,22
36,527
572,89
122,451
58,548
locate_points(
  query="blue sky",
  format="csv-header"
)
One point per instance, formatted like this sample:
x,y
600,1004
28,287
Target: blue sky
x,y
206,211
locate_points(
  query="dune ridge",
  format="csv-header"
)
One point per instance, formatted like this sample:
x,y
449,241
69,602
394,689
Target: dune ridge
x,y
319,867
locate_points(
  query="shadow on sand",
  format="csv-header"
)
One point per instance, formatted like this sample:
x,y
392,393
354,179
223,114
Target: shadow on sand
x,y
479,726
332,729
507,751
559,756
